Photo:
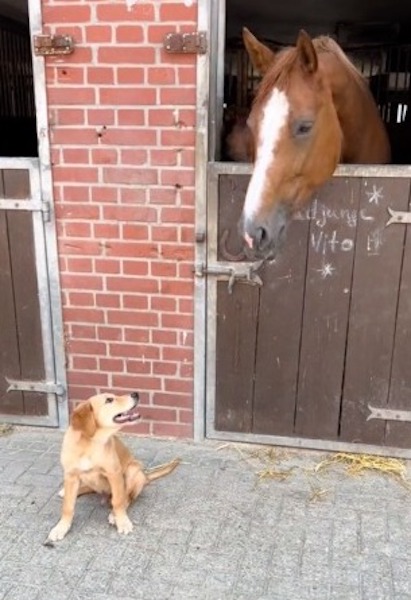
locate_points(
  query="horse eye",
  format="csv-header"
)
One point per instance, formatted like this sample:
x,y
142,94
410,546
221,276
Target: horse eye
x,y
109,400
302,128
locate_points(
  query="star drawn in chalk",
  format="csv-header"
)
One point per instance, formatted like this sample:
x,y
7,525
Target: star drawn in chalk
x,y
326,270
375,196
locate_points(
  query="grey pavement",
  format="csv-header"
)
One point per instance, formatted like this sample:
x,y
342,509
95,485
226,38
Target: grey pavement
x,y
214,529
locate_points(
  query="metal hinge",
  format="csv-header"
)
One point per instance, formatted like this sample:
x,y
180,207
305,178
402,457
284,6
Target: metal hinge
x,y
52,45
43,387
46,210
246,273
186,43
389,414
398,216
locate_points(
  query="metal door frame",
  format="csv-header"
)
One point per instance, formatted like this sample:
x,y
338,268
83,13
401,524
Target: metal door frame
x,y
210,73
45,241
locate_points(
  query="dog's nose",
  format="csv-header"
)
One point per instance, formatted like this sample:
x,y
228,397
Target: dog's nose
x,y
134,395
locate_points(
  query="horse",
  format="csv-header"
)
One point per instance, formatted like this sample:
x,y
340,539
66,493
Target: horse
x,y
312,110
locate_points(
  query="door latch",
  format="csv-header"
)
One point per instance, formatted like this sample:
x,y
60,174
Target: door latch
x,y
246,273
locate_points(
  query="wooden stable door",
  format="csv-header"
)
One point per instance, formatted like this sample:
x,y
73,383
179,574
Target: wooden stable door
x,y
27,384
317,345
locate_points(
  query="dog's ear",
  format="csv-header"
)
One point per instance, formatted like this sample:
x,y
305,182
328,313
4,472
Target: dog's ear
x,y
83,419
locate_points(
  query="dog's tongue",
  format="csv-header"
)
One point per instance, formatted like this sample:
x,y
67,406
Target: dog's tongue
x,y
127,416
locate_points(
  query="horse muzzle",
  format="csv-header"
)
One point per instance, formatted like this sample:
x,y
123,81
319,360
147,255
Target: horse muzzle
x,y
265,236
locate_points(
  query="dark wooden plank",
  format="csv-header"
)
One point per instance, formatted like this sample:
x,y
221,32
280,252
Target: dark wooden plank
x,y
235,356
10,402
396,433
375,291
279,335
25,289
232,190
329,271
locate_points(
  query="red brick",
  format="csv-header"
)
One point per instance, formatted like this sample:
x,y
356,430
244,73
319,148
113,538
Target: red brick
x,y
178,385
84,363
131,75
107,230
185,416
163,304
178,137
178,354
63,135
100,116
188,160
75,156
133,195
161,116
138,302
132,97
64,96
81,315
138,366
131,137
104,265
176,96
159,414
157,33
79,298
126,317
83,282
186,76
164,368
130,249
79,378
164,234
130,116
111,365
133,382
74,13
186,370
101,75
134,157
98,33
113,334
129,33
163,195
186,305
163,157
177,400
133,284
136,335
134,232
107,301
80,265
177,215
178,177
77,211
82,56
172,430
177,11
78,392
132,267
85,332
119,12
161,75
163,269
164,337
67,116
78,230
177,288
70,75
130,213
79,247
92,348
104,194
126,55
130,176
76,174
104,156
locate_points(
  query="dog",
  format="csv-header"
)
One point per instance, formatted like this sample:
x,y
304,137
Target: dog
x,y
95,460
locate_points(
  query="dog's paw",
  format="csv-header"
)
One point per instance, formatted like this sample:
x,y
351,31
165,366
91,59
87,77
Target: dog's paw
x,y
124,525
111,519
58,532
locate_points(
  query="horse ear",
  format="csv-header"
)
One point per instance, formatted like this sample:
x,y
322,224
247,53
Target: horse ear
x,y
83,419
261,56
307,52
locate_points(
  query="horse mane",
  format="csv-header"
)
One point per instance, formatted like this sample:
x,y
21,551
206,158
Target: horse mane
x,y
287,58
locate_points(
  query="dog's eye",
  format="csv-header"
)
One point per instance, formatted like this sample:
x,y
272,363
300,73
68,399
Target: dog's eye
x,y
109,400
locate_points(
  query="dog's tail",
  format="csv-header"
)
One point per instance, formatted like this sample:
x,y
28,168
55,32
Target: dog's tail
x,y
162,470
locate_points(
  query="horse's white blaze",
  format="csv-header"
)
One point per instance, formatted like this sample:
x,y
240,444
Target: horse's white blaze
x,y
275,115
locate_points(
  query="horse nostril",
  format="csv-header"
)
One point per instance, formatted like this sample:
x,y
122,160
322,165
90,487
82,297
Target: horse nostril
x,y
261,237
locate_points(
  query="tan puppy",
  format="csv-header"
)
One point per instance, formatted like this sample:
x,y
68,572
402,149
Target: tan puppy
x,y
95,460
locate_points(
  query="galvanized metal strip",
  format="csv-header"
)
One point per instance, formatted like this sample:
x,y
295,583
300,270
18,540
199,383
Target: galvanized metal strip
x,y
398,216
55,320
21,204
19,163
389,414
43,387
230,168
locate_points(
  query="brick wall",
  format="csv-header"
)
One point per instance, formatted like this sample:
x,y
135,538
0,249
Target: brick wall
x,y
122,116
